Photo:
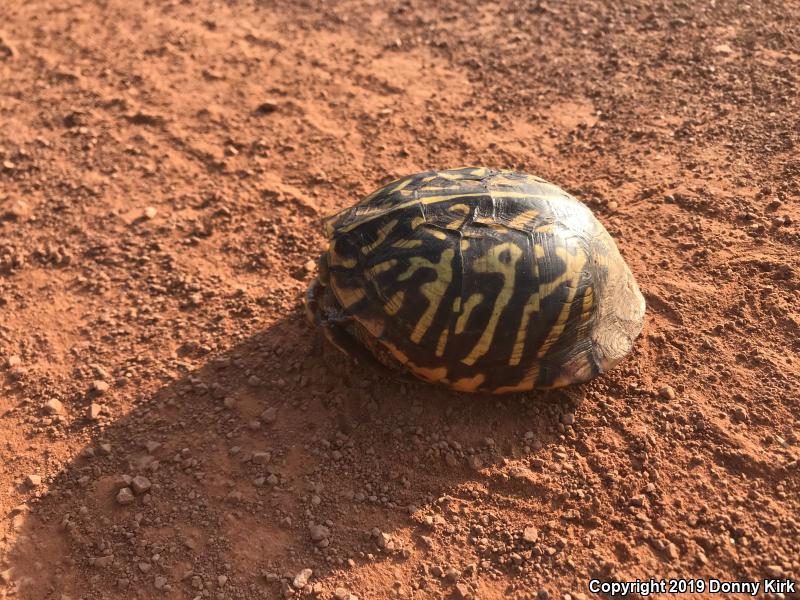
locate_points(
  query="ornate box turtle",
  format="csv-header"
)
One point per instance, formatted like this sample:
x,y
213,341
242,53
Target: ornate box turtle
x,y
477,279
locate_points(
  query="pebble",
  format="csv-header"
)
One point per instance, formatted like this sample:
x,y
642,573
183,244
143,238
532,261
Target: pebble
x,y
530,535
159,582
102,562
13,361
150,212
54,407
100,387
125,496
319,532
18,209
94,411
667,393
222,580
269,415
463,592
140,484
33,480
301,579
568,418
152,447
341,594
267,107
774,571
310,266
672,551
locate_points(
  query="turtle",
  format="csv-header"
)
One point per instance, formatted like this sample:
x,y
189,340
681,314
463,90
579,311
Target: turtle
x,y
477,279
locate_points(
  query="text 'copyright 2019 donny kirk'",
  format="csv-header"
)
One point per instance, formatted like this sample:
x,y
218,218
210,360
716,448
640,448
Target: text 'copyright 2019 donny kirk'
x,y
645,587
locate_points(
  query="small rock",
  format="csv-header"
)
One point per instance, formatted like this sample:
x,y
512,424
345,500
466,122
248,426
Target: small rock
x,y
319,532
33,480
95,411
301,579
667,393
160,582
222,580
341,594
101,562
261,458
672,551
452,574
462,592
267,107
269,415
13,361
309,266
774,571
140,484
100,387
145,567
568,418
152,447
125,496
150,212
723,49
54,407
740,414
530,535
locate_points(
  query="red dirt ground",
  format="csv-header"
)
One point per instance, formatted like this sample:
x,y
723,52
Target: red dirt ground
x,y
164,167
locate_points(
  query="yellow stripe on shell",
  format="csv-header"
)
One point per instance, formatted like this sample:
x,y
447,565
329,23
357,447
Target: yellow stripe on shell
x,y
337,260
471,302
442,343
382,267
382,233
572,270
348,296
525,384
401,356
524,218
432,375
532,306
519,343
469,384
439,235
409,243
394,303
434,290
491,263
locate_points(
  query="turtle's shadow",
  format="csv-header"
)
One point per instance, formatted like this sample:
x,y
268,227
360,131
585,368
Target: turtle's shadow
x,y
249,449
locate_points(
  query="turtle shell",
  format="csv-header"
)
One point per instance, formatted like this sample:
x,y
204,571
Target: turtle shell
x,y
483,280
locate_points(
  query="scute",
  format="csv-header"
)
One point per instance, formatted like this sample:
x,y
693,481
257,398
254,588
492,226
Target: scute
x,y
482,279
